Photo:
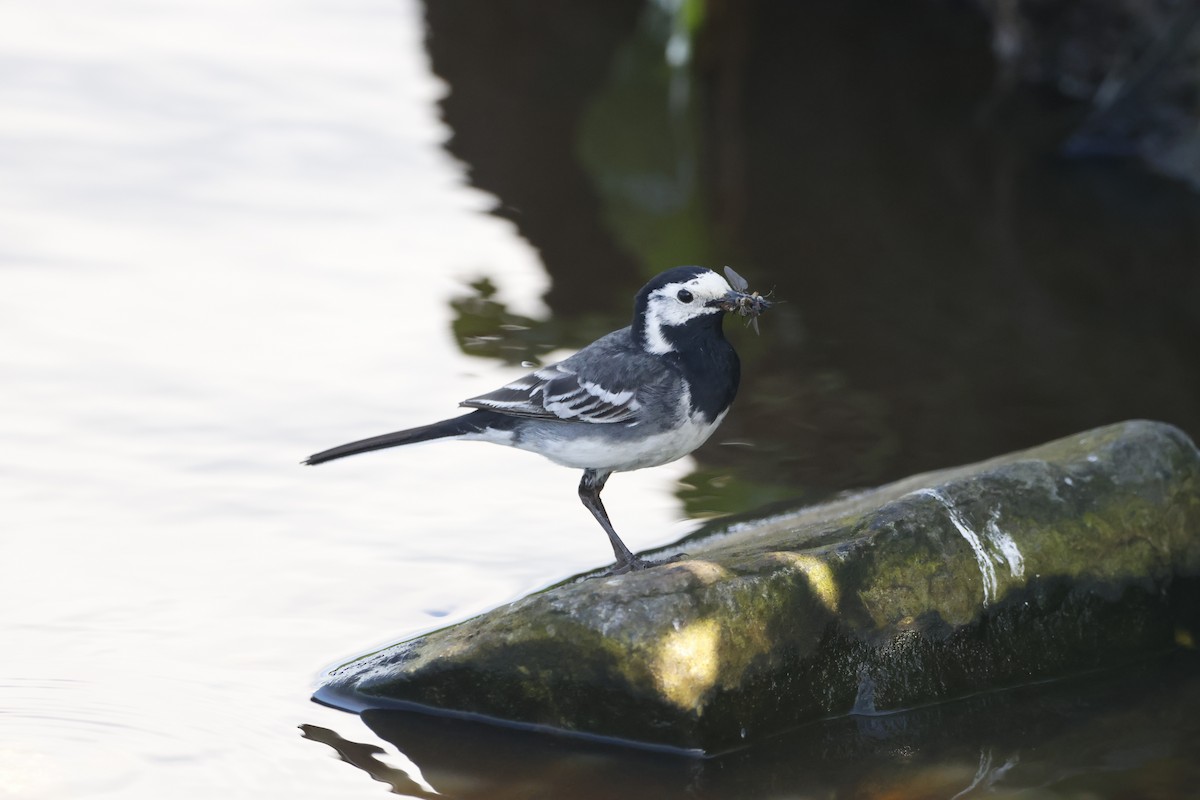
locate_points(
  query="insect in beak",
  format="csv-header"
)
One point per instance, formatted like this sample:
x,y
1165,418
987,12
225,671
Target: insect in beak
x,y
746,304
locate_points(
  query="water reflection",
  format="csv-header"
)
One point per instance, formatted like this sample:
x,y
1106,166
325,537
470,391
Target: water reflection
x,y
367,758
232,235
955,288
1129,732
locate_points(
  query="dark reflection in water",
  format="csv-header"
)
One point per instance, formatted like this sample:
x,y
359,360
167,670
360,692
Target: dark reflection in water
x,y
366,758
955,288
1132,732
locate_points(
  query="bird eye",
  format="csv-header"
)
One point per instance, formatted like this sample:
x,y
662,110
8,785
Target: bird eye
x,y
685,296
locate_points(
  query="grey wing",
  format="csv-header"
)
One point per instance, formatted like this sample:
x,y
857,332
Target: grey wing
x,y
599,384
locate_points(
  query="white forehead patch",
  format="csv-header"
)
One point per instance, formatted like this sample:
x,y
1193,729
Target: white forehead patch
x,y
664,308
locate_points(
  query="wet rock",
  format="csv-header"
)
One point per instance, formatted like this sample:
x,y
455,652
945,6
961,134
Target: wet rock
x,y
1066,557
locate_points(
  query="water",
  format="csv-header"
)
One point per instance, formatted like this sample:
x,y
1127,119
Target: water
x,y
233,234
1122,733
223,252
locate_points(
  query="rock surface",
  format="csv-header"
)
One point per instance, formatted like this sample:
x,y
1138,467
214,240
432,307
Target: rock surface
x,y
1072,555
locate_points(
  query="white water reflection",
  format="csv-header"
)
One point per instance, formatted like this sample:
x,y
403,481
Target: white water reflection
x,y
228,236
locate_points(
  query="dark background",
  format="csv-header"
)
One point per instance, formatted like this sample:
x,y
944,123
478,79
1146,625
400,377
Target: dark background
x,y
979,248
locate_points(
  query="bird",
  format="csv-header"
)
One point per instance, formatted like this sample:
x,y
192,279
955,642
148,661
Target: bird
x,y
642,396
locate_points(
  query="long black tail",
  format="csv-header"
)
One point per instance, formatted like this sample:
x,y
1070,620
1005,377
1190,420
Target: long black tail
x,y
474,422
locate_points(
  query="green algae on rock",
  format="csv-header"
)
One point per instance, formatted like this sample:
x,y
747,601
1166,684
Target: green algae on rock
x,y
1073,555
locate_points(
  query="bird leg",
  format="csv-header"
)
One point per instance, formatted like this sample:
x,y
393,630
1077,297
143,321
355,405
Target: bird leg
x,y
589,492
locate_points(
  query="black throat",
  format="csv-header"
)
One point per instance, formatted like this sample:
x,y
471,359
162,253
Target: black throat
x,y
708,362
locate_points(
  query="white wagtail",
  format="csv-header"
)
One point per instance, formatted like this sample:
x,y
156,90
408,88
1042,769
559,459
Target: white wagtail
x,y
639,397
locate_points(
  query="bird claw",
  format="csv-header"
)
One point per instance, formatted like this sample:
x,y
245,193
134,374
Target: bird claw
x,y
638,564
621,568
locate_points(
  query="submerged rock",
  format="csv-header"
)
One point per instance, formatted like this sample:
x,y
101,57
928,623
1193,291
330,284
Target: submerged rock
x,y
1069,556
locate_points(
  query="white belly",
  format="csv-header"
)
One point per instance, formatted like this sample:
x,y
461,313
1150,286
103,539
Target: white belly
x,y
625,454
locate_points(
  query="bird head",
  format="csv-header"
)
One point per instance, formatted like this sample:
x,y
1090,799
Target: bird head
x,y
686,299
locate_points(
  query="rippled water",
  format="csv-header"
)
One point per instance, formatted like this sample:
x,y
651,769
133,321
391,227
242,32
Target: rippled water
x,y
232,234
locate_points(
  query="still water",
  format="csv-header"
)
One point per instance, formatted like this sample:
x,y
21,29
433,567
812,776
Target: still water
x,y
233,234
223,251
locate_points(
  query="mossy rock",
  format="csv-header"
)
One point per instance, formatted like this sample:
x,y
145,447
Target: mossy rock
x,y
1066,557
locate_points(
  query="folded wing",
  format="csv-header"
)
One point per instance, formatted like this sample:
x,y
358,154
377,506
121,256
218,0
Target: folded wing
x,y
598,385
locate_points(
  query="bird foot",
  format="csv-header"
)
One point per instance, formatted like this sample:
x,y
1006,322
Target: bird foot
x,y
636,564
621,567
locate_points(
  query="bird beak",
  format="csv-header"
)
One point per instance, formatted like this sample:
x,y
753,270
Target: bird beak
x,y
748,305
729,302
